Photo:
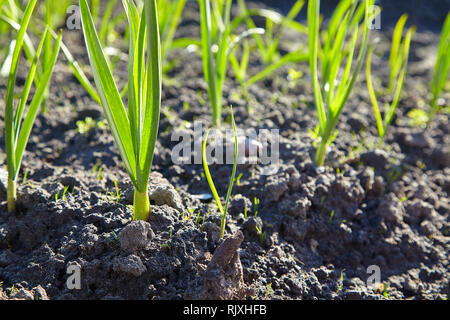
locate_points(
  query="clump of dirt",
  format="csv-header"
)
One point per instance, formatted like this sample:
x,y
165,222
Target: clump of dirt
x,y
224,275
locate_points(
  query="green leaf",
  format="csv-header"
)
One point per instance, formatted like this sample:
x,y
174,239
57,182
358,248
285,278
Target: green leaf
x,y
233,173
109,95
442,67
223,210
401,48
106,20
152,105
168,32
9,109
208,174
28,84
292,57
35,104
313,25
210,65
395,58
342,36
373,97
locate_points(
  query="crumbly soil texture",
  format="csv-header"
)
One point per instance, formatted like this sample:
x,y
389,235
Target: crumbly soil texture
x,y
312,232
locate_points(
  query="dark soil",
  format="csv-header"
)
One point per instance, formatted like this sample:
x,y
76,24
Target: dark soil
x,y
324,227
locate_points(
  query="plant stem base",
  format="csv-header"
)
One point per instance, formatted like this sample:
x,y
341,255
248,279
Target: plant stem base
x,y
12,195
320,153
222,226
141,207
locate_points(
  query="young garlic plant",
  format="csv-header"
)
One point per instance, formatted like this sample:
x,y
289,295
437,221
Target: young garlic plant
x,y
14,24
169,15
349,23
215,36
441,69
134,129
398,62
268,46
218,42
223,209
18,122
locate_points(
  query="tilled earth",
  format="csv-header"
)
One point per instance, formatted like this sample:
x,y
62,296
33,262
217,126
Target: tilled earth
x,y
322,230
